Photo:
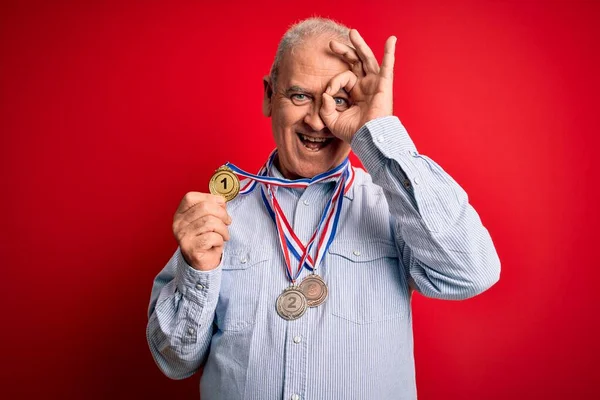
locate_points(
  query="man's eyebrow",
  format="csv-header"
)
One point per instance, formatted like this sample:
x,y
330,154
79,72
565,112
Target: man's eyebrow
x,y
296,89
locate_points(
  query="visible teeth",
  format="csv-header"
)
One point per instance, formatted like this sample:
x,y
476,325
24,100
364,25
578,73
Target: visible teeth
x,y
315,140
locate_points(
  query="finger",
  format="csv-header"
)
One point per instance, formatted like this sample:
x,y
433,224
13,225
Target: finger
x,y
328,111
206,208
349,55
192,198
206,224
387,64
364,52
207,241
344,81
201,210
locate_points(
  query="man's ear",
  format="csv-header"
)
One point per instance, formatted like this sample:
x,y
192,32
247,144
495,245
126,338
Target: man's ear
x,y
267,97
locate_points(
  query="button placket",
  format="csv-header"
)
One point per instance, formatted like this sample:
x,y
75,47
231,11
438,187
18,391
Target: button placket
x,y
296,354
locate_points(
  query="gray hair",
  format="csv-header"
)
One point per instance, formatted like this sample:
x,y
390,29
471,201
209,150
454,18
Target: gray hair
x,y
302,30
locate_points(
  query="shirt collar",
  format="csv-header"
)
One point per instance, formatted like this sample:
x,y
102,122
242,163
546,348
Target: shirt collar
x,y
349,194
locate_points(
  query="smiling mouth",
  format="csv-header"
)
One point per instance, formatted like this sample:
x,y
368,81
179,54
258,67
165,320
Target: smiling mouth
x,y
314,143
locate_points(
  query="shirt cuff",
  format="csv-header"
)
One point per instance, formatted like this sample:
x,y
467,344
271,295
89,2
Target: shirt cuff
x,y
380,139
196,286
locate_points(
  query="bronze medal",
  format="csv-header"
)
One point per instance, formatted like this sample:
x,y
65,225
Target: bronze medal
x,y
314,289
224,183
291,304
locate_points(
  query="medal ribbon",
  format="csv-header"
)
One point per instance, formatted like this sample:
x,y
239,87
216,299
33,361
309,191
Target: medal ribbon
x,y
327,227
262,176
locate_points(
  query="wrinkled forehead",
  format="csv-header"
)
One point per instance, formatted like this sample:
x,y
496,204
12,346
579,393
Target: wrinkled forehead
x,y
312,60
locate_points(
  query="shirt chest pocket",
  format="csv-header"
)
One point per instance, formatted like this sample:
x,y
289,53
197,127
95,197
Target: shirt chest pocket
x,y
367,281
241,285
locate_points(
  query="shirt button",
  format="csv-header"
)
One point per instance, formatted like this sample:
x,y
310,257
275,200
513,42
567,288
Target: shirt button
x,y
243,260
297,339
199,286
356,253
406,183
295,397
306,202
380,139
191,331
416,181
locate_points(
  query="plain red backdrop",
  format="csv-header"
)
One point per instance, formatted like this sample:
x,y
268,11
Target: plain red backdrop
x,y
111,111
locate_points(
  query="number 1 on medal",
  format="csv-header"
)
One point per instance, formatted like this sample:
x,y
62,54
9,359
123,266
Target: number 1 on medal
x,y
224,183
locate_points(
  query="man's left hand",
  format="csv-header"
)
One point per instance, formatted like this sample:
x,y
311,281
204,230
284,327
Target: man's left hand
x,y
370,87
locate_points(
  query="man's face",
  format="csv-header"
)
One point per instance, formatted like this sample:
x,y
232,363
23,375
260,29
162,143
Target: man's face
x,y
305,146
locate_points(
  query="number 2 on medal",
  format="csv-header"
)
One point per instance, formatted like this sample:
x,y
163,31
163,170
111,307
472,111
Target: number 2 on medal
x,y
292,303
224,182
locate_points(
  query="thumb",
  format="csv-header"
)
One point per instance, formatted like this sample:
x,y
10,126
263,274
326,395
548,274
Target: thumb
x,y
328,111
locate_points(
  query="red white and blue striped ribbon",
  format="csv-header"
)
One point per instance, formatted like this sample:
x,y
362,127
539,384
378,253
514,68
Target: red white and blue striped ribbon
x,y
327,227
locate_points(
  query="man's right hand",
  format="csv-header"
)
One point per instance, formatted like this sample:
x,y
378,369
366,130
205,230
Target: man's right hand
x,y
200,227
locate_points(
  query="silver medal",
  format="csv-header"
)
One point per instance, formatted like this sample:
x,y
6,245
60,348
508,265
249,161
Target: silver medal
x,y
314,289
291,304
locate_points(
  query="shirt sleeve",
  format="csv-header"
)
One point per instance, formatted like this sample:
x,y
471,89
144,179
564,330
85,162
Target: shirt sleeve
x,y
180,316
446,250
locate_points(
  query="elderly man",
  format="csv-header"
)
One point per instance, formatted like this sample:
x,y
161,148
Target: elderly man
x,y
300,287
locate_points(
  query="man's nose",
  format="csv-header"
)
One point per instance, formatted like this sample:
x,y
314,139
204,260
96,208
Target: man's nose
x,y
313,119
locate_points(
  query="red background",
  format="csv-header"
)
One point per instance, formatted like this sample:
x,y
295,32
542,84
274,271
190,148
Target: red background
x,y
111,111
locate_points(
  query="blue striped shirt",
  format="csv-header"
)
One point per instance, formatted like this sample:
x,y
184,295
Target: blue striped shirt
x,y
405,225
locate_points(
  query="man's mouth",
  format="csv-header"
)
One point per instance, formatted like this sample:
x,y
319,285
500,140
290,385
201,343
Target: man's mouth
x,y
314,143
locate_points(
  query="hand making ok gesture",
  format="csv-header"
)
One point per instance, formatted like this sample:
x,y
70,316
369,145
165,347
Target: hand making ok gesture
x,y
369,86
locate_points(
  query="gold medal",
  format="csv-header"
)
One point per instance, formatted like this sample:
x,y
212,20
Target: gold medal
x,y
224,183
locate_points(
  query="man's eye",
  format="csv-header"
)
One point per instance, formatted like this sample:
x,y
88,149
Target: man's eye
x,y
341,102
299,98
